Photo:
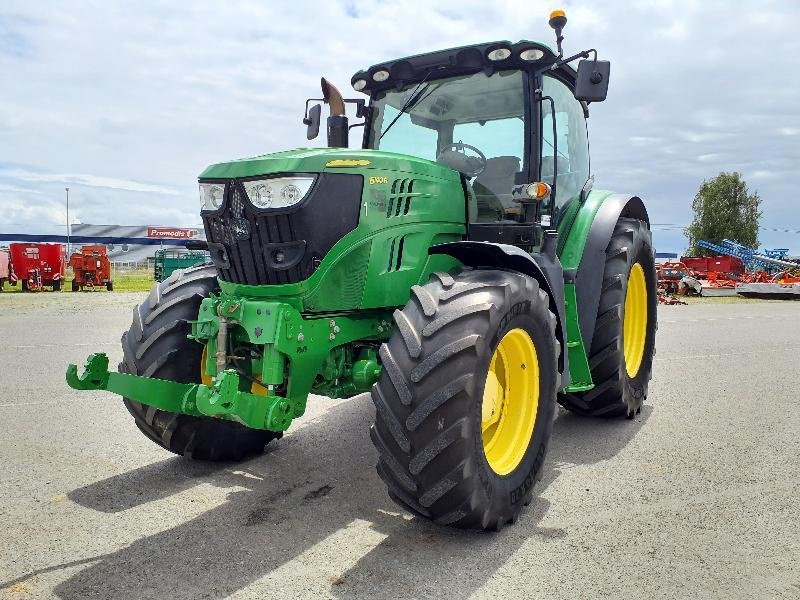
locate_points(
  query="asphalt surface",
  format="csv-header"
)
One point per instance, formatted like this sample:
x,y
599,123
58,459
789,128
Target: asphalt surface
x,y
697,497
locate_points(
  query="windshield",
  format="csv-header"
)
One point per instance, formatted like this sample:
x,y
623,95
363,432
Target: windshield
x,y
485,112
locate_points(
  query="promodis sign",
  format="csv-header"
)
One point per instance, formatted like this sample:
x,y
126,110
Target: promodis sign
x,y
171,233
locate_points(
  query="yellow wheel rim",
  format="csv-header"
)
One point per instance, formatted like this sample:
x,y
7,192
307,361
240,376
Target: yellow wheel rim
x,y
510,401
634,327
256,387
205,378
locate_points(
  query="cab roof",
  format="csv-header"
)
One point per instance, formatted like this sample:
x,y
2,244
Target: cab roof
x,y
463,60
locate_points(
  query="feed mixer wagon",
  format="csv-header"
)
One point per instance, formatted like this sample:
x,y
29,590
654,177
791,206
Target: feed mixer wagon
x,y
39,265
91,268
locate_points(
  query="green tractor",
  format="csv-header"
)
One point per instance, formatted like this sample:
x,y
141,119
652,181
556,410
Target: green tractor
x,y
460,267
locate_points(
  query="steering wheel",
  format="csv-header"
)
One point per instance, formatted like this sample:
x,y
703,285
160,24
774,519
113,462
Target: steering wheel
x,y
453,155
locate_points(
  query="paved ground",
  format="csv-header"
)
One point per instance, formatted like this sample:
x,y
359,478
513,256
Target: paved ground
x,y
695,498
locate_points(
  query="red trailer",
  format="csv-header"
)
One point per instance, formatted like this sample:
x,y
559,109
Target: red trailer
x,y
6,271
91,267
714,264
39,265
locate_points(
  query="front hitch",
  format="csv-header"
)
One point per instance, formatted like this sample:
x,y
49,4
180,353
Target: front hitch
x,y
223,399
95,374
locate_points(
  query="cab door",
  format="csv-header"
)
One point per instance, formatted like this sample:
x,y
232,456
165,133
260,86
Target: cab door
x,y
564,156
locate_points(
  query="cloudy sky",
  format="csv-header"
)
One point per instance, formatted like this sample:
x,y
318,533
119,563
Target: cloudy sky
x,y
126,102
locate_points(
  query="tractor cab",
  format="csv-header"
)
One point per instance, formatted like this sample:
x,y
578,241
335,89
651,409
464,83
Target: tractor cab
x,y
510,118
503,115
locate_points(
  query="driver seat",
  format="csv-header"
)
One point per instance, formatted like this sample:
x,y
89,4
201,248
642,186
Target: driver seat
x,y
494,184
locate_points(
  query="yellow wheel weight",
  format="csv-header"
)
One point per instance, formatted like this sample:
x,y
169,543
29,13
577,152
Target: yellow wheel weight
x,y
206,379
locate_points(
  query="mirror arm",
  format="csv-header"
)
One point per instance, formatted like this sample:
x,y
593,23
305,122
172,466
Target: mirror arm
x,y
584,54
306,120
361,107
360,103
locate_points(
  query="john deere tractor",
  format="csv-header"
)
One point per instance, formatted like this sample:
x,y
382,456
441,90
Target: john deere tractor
x,y
460,266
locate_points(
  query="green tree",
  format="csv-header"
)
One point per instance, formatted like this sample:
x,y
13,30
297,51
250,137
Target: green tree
x,y
724,209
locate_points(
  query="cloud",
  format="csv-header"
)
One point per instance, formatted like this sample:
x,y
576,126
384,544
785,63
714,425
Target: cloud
x,y
127,103
88,180
20,190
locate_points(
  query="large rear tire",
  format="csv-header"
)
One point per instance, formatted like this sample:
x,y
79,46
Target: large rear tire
x,y
623,346
156,346
466,399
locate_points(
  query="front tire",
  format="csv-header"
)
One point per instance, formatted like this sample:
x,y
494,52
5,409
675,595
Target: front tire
x,y
623,346
156,346
466,399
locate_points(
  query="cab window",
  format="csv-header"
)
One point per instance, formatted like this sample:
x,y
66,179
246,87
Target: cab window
x,y
571,152
474,124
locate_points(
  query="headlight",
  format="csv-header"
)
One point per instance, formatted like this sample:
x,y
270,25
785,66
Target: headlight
x,y
211,196
279,192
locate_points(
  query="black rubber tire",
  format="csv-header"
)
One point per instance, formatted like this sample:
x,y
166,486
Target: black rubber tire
x,y
428,399
156,346
110,286
615,393
57,285
24,285
75,286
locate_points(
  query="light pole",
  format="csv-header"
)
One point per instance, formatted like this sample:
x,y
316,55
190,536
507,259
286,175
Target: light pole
x,y
69,249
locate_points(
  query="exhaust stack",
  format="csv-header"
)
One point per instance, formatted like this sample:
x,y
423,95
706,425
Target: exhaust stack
x,y
338,129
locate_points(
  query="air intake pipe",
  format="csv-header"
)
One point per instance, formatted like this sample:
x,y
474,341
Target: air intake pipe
x,y
338,129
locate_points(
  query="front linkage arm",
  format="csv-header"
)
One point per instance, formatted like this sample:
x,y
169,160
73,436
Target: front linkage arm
x,y
296,350
224,399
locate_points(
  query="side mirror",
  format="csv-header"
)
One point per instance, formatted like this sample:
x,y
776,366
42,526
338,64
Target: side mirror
x,y
592,82
313,120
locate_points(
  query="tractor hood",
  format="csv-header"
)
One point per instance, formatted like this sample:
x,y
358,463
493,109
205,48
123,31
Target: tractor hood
x,y
331,160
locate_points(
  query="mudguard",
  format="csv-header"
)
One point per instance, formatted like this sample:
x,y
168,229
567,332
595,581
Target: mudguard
x,y
545,267
587,274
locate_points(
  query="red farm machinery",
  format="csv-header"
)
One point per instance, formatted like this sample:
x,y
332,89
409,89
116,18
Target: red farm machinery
x,y
6,270
39,265
92,268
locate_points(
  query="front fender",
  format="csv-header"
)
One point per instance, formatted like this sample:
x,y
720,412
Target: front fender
x,y
543,267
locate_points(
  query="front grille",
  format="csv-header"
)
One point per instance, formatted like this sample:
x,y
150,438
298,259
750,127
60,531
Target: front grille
x,y
271,247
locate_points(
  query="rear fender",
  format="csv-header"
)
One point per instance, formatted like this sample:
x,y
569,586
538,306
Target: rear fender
x,y
584,253
546,269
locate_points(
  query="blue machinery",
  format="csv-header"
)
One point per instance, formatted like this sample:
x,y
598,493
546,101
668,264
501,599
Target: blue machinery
x,y
767,260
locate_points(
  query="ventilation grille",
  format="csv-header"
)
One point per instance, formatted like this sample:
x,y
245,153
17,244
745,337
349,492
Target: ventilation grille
x,y
400,197
395,254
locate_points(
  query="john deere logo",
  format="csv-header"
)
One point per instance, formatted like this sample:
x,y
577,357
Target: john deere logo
x,y
241,228
347,162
